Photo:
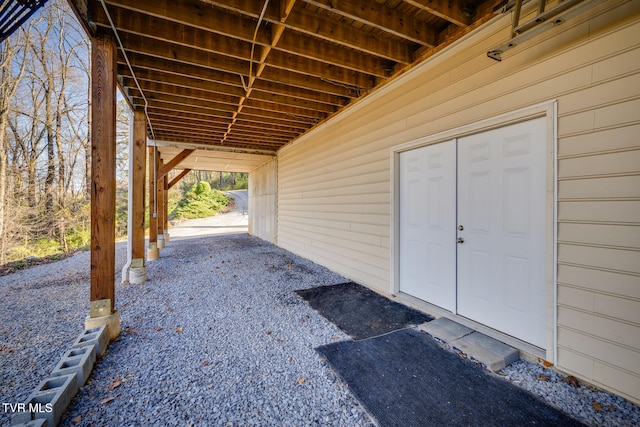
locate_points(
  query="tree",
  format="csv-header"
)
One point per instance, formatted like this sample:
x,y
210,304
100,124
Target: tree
x,y
12,66
44,127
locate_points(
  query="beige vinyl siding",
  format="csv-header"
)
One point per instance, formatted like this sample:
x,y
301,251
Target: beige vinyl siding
x,y
317,209
334,183
599,223
263,190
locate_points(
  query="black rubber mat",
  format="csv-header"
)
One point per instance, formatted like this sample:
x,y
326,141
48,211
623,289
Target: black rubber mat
x,y
360,312
406,379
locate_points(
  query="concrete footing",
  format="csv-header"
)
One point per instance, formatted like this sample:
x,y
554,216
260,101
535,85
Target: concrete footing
x,y
112,323
167,236
153,252
134,272
160,241
137,275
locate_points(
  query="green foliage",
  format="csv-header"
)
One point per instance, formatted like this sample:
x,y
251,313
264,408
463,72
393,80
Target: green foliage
x,y
122,212
79,237
199,201
18,265
41,247
202,188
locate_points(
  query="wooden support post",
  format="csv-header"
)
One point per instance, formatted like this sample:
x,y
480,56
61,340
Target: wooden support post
x,y
165,186
139,171
160,207
103,184
135,271
154,252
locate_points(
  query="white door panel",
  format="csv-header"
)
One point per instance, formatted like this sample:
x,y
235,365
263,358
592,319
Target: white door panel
x,y
494,183
501,206
427,224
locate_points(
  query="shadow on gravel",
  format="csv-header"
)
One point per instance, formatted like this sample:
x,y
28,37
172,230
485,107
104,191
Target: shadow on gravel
x,y
360,312
406,379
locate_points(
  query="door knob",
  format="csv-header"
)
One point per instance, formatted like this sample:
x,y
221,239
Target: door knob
x,y
460,240
460,227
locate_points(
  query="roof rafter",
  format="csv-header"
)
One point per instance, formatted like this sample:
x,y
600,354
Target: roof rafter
x,y
257,74
383,18
453,11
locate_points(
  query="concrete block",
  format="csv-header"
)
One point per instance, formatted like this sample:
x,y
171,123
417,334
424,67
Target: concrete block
x,y
493,353
48,401
160,242
445,329
96,336
40,422
77,361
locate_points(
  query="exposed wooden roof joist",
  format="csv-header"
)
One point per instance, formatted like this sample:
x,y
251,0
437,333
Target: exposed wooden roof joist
x,y
222,74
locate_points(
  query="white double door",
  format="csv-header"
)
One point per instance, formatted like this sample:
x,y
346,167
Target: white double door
x,y
473,227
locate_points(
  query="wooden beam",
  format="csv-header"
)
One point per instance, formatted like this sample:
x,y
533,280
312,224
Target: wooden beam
x,y
150,87
177,179
261,108
383,18
213,118
201,81
266,139
166,168
240,146
239,65
273,80
450,10
165,187
160,194
193,123
208,132
153,219
237,40
103,170
192,12
201,108
138,190
329,29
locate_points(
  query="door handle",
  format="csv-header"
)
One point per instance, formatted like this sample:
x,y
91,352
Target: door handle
x,y
460,240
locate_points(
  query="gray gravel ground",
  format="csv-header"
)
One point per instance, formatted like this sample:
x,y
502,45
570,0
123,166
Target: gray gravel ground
x,y
586,403
215,337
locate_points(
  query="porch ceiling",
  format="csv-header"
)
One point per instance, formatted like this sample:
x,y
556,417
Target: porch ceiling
x,y
230,76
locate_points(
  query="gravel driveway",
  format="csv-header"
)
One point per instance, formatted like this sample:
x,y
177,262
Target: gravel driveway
x,y
217,336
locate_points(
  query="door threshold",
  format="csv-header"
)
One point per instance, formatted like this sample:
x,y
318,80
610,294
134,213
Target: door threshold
x,y
494,354
527,351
